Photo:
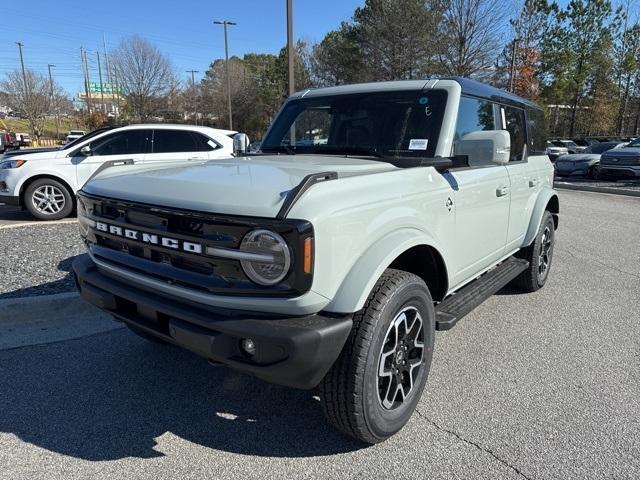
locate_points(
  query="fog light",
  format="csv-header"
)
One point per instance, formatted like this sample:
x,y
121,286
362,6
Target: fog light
x,y
248,346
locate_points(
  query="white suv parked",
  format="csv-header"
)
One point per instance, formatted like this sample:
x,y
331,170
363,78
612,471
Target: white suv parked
x,y
45,183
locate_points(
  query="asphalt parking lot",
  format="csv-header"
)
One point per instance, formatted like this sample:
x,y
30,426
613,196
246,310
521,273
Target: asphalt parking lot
x,y
528,386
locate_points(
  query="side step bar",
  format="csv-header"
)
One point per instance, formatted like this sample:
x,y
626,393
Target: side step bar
x,y
453,308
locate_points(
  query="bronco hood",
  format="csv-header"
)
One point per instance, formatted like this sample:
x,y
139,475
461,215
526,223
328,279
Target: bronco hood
x,y
252,186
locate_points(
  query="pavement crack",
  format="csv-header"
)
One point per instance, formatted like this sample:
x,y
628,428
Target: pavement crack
x,y
474,444
606,265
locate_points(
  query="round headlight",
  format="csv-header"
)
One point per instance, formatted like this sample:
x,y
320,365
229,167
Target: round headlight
x,y
269,258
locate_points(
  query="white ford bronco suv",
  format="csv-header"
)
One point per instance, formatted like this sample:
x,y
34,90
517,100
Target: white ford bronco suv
x,y
374,215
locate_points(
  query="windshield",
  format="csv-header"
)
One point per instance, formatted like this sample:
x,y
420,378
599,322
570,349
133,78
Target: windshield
x,y
634,143
379,124
602,147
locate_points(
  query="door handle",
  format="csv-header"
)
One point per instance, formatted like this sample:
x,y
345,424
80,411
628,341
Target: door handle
x,y
533,183
195,158
502,191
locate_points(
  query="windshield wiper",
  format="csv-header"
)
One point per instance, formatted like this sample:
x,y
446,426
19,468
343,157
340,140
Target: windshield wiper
x,y
351,150
279,149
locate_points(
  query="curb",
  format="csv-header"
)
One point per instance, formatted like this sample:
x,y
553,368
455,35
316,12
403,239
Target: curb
x,y
588,188
26,321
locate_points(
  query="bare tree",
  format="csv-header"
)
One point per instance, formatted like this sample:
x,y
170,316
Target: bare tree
x,y
471,36
145,75
35,100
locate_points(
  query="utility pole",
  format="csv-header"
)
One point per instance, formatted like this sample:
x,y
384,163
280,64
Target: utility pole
x,y
226,64
109,77
513,65
53,102
194,97
290,47
87,87
24,80
104,107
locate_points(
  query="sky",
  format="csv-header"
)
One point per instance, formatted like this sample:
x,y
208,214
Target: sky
x,y
53,31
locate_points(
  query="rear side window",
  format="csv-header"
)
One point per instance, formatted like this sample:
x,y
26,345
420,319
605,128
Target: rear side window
x,y
122,143
537,131
174,141
514,123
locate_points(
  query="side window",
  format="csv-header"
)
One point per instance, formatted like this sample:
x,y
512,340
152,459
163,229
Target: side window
x,y
205,144
537,132
173,141
122,143
474,115
514,123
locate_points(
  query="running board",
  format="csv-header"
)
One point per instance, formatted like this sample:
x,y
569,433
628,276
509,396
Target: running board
x,y
456,306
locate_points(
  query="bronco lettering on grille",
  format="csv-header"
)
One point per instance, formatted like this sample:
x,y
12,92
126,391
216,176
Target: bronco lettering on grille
x,y
150,238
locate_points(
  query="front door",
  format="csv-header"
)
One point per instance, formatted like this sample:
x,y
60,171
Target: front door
x,y
481,199
125,146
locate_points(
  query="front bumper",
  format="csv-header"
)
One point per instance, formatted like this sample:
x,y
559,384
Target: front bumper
x,y
620,172
291,351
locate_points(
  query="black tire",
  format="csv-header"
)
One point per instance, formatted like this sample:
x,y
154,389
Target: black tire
x,y
60,201
351,391
141,333
534,277
594,172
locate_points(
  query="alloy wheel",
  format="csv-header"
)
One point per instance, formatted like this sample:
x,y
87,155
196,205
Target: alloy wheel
x,y
544,258
401,359
48,199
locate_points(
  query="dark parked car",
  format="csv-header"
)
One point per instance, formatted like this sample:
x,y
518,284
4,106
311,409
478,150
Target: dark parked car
x,y
584,164
622,162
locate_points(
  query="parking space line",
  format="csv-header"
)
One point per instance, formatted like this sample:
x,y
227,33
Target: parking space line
x,y
29,224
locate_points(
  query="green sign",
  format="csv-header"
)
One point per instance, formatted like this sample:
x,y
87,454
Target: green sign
x,y
106,88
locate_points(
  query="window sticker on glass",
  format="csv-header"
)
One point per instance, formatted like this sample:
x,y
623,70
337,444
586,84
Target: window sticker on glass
x,y
418,144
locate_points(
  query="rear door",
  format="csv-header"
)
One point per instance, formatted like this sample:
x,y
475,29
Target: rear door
x,y
125,146
180,145
523,185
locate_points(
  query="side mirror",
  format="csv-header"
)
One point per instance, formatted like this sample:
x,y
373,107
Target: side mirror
x,y
485,147
240,144
86,151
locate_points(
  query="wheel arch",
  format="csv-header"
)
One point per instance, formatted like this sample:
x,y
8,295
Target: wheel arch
x,y
30,180
406,249
547,201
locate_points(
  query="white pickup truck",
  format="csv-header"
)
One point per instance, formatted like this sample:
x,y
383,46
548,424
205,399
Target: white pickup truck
x,y
375,215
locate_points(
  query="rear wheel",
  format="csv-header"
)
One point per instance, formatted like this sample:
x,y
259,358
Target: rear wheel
x,y
539,255
48,199
375,385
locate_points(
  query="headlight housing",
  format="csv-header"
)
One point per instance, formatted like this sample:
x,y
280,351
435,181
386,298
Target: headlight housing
x,y
269,258
5,164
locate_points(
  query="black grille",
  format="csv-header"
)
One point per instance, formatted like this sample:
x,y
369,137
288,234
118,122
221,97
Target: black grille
x,y
196,271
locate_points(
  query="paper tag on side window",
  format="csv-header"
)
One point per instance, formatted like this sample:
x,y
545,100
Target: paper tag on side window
x,y
418,144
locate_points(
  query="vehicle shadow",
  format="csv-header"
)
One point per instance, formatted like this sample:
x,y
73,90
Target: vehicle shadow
x,y
113,395
64,284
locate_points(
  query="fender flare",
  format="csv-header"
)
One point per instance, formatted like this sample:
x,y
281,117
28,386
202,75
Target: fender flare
x,y
358,283
547,200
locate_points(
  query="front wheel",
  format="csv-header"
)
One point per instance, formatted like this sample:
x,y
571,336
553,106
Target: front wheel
x,y
48,199
375,385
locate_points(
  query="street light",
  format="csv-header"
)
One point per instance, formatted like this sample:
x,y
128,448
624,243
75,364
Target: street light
x,y
290,47
226,57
